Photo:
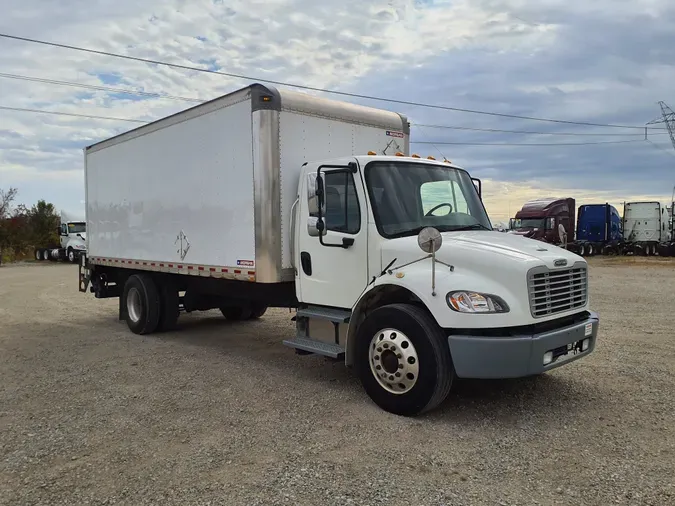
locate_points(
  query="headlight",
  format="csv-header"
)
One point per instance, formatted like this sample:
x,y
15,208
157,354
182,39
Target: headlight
x,y
474,302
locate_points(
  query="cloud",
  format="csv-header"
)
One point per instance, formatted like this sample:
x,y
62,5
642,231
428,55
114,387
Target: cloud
x,y
601,62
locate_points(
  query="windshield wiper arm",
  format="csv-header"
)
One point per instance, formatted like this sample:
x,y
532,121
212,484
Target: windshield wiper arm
x,y
475,226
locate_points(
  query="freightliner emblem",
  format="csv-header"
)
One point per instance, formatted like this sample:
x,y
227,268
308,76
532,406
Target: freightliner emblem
x,y
560,262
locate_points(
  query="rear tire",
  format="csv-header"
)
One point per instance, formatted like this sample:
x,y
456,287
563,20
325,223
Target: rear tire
x,y
582,250
257,310
72,258
420,365
236,313
141,303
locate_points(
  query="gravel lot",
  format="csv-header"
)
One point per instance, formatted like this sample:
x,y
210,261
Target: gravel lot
x,y
223,413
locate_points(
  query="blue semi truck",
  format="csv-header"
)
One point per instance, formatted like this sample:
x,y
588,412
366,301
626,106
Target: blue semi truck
x,y
599,228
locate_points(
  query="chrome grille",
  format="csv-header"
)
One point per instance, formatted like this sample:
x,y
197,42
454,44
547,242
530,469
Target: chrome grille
x,y
557,291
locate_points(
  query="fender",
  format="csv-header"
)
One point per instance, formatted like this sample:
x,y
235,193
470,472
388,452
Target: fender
x,y
413,284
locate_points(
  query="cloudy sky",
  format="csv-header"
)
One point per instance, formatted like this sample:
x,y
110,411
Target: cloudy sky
x,y
606,62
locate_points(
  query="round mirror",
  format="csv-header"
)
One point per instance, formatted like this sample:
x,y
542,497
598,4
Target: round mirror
x,y
429,240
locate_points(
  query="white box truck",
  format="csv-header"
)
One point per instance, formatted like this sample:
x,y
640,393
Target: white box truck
x,y
269,198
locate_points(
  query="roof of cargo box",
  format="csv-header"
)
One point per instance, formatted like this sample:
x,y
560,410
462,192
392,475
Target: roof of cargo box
x,y
269,98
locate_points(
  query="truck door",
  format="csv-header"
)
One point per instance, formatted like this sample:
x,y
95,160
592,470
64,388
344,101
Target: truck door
x,y
332,269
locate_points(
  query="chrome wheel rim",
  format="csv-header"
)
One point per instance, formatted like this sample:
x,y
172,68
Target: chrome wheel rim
x,y
134,305
393,361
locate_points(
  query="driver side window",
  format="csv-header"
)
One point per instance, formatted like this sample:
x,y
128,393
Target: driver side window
x,y
438,194
341,212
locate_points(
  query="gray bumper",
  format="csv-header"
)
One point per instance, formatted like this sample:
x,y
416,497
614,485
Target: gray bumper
x,y
517,356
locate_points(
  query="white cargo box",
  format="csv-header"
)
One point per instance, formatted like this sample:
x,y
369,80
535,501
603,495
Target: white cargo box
x,y
208,191
643,222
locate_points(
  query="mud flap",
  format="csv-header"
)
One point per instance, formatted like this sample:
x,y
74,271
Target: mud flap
x,y
84,272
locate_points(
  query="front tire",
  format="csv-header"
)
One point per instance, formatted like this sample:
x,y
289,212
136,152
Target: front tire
x,y
403,342
142,304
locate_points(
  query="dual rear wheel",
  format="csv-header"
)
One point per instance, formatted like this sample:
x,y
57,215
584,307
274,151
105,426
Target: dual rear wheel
x,y
150,304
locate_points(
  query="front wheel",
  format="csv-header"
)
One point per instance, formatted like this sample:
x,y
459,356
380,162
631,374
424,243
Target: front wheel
x,y
403,360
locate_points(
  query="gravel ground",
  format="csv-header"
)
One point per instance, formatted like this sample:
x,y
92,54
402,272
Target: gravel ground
x,y
223,413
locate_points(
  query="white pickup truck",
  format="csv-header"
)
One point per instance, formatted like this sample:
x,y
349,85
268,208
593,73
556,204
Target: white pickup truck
x,y
268,198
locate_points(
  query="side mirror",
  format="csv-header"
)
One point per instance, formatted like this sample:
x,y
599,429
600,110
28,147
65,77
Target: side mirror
x,y
478,184
319,191
313,227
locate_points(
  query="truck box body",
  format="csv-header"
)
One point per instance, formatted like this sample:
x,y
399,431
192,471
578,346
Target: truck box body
x,y
643,222
208,191
598,223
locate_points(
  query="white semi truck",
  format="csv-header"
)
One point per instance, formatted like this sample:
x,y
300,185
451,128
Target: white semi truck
x,y
72,241
645,227
269,198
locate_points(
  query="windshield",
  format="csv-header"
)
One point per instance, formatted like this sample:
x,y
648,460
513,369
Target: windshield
x,y
408,196
529,223
77,228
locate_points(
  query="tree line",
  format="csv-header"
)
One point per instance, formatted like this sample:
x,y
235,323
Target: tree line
x,y
23,228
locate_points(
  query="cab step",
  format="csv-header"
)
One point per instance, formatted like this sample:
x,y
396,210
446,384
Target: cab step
x,y
316,347
325,313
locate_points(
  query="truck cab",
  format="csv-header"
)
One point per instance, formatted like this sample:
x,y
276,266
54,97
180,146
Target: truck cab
x,y
398,253
72,237
540,219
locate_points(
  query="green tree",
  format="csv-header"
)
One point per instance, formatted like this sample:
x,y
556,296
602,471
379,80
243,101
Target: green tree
x,y
44,223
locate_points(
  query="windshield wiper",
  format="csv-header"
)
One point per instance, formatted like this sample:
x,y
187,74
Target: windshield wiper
x,y
475,226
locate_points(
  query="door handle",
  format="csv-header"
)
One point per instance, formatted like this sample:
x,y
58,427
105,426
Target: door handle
x,y
306,262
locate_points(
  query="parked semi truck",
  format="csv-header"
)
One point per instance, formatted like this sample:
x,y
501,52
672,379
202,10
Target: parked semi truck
x,y
645,227
667,247
269,198
598,227
72,241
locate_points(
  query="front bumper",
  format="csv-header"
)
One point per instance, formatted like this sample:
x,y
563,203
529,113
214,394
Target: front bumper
x,y
522,355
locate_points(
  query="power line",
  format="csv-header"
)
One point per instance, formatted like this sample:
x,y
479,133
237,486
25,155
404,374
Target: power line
x,y
97,87
442,143
127,91
435,144
56,113
529,132
312,88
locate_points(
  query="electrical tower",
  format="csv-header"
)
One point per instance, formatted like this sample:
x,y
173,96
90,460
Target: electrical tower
x,y
668,118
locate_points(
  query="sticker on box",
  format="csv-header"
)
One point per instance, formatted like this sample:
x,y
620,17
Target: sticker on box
x,y
391,133
245,263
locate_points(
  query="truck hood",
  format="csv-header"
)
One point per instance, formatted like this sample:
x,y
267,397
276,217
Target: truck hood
x,y
489,248
483,261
